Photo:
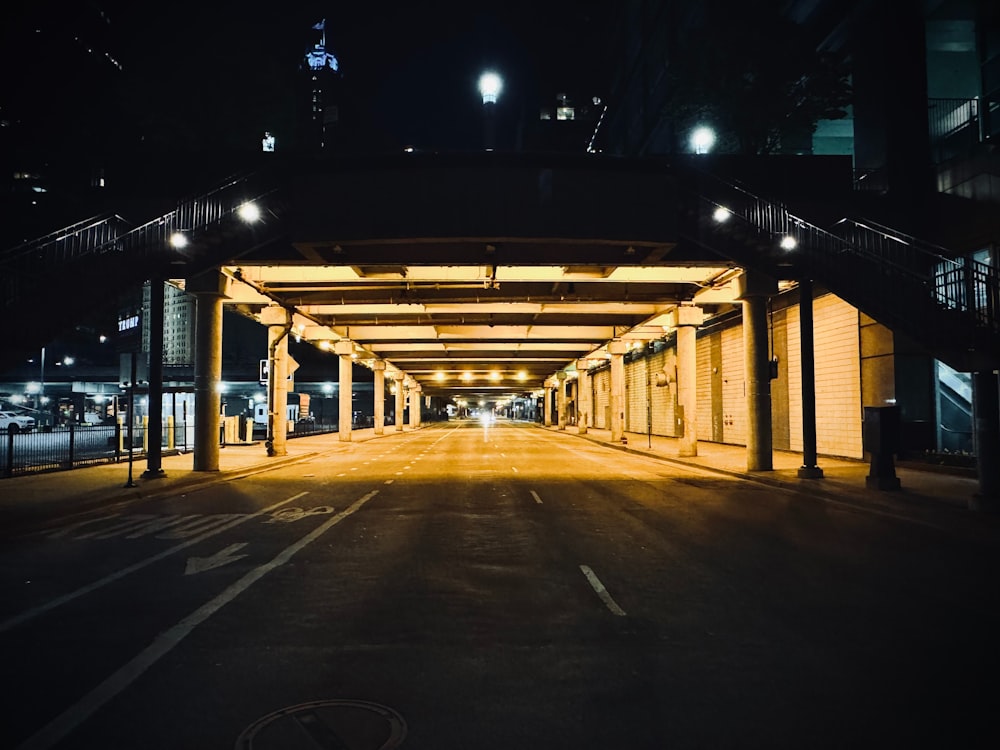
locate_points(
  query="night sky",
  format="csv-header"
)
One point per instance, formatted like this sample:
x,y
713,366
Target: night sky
x,y
213,74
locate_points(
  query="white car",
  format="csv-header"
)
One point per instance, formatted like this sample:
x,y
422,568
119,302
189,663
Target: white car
x,y
15,422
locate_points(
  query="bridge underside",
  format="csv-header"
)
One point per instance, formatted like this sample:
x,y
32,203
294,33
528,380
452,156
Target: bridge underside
x,y
480,330
476,277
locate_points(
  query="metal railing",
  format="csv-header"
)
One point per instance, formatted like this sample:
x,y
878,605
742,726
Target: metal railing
x,y
64,448
113,235
946,117
905,278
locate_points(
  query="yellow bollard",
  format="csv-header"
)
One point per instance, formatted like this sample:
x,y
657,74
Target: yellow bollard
x,y
171,441
145,434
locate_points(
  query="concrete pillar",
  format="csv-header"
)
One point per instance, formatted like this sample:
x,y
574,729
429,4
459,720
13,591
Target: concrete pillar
x,y
687,318
986,416
379,395
400,400
617,350
561,399
154,431
754,290
810,468
278,323
584,404
415,405
547,406
345,406
207,290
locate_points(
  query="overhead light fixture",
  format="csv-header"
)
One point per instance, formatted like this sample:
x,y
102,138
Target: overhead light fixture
x,y
249,212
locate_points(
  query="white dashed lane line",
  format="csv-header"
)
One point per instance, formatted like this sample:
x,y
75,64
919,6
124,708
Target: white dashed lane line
x,y
537,498
595,583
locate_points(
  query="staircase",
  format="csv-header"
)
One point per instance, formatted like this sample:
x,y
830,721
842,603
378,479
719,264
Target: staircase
x,y
94,262
949,306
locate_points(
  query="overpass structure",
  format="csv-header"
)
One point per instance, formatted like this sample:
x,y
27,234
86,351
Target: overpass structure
x,y
485,275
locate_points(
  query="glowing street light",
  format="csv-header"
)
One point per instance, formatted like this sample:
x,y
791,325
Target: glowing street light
x,y
249,212
490,86
702,139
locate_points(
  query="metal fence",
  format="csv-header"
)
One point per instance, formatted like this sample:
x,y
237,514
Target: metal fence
x,y
74,446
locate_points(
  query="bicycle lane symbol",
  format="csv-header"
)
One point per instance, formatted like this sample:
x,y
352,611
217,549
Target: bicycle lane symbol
x,y
290,515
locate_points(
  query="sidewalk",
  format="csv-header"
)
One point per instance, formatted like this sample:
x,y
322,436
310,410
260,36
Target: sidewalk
x,y
36,497
922,492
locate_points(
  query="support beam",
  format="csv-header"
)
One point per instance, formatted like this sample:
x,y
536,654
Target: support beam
x,y
561,399
278,322
810,468
547,406
345,408
583,396
754,291
986,415
207,290
400,400
616,349
154,428
415,406
686,320
378,393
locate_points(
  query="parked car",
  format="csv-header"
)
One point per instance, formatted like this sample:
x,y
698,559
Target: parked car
x,y
15,422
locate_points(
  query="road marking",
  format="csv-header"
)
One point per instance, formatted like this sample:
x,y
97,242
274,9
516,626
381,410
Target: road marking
x,y
76,714
354,468
290,515
220,558
342,474
389,481
12,622
514,468
399,473
595,583
537,498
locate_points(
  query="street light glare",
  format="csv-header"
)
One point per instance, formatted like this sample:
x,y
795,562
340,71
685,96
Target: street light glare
x,y
702,139
490,85
249,212
178,240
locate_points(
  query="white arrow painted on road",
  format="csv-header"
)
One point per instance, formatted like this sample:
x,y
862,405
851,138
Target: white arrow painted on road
x,y
220,558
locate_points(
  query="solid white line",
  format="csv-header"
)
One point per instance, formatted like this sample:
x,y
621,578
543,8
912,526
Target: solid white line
x,y
75,715
537,498
111,578
595,583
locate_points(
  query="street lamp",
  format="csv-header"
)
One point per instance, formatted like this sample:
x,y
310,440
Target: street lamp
x,y
702,139
490,86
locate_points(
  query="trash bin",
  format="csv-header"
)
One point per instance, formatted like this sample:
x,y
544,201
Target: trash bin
x,y
880,437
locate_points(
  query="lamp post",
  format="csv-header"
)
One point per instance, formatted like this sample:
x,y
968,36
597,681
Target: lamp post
x,y
702,139
490,86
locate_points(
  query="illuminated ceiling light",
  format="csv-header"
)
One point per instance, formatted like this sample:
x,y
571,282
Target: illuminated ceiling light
x,y
439,376
324,345
522,376
788,242
327,387
178,240
490,86
249,212
466,376
702,139
721,215
494,375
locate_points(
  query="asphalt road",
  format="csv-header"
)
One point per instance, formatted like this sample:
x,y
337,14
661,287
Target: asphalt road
x,y
501,587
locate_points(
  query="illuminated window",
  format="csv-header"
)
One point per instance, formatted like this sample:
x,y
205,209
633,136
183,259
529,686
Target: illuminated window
x,y
564,113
